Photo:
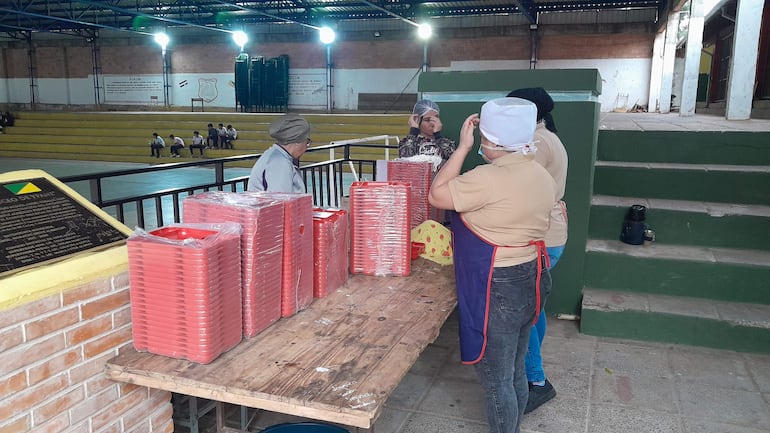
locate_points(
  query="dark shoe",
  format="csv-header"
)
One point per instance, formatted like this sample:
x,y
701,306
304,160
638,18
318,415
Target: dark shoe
x,y
538,395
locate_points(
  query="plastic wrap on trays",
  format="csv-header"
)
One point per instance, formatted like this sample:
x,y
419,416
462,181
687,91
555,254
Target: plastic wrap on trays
x,y
185,290
297,267
261,248
380,238
419,175
330,250
193,235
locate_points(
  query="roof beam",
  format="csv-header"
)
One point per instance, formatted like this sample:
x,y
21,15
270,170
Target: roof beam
x,y
154,17
393,14
265,14
527,8
67,20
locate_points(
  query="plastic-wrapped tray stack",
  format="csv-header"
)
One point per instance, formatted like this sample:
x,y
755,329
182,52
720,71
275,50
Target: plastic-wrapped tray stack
x,y
419,175
330,250
186,290
261,248
297,268
380,218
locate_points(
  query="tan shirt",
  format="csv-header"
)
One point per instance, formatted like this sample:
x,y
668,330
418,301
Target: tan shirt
x,y
552,155
507,203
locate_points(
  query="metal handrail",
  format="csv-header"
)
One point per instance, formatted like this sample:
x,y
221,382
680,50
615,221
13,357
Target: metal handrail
x,y
325,181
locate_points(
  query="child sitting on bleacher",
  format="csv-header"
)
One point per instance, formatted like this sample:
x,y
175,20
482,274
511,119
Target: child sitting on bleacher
x,y
156,145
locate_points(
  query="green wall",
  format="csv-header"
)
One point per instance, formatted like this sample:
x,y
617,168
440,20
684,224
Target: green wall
x,y
576,115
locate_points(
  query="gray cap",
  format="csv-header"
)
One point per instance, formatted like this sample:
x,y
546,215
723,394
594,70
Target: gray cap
x,y
423,106
289,128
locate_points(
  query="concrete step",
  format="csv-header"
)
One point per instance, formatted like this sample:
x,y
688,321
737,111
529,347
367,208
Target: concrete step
x,y
727,274
683,222
692,147
676,319
738,184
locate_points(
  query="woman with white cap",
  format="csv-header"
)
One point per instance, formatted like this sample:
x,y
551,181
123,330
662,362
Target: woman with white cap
x,y
499,255
277,170
425,133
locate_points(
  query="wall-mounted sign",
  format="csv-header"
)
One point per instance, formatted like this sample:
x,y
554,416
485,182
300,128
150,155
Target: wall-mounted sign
x,y
39,222
133,88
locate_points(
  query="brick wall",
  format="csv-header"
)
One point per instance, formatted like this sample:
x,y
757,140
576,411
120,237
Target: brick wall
x,y
218,57
52,355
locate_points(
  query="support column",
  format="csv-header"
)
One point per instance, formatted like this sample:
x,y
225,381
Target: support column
x,y
692,58
656,72
329,83
743,63
669,55
32,70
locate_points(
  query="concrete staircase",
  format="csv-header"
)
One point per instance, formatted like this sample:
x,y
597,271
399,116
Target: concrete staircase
x,y
706,279
124,136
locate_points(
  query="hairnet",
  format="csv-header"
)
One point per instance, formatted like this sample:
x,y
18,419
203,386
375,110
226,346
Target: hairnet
x,y
289,128
423,106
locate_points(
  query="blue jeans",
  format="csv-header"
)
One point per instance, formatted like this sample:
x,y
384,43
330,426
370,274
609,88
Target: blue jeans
x,y
534,360
512,306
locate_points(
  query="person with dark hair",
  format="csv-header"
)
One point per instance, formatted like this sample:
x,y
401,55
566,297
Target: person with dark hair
x,y
176,144
424,136
196,142
277,170
500,263
231,135
221,135
212,141
8,119
552,155
156,145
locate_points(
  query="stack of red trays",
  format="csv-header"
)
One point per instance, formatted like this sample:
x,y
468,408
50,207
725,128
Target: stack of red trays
x,y
419,175
380,217
330,250
186,290
297,269
261,219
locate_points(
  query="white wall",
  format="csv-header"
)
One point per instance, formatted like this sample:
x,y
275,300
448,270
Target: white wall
x,y
349,83
625,83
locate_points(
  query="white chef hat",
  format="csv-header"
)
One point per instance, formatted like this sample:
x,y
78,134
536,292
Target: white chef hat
x,y
509,123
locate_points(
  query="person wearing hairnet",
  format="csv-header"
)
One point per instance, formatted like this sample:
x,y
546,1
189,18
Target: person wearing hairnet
x,y
552,155
501,267
277,170
425,133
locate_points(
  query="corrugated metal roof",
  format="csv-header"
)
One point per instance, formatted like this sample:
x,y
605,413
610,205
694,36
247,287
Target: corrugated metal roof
x,y
70,16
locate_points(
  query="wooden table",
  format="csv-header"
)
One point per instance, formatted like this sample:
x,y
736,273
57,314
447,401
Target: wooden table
x,y
336,361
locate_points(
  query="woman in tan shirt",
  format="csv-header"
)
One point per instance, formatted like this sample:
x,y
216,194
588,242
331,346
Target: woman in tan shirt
x,y
499,251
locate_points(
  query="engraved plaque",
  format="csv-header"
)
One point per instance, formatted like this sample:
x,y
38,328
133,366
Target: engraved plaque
x,y
39,223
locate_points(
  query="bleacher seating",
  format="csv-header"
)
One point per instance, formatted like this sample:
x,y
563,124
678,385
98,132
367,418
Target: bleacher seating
x,y
124,136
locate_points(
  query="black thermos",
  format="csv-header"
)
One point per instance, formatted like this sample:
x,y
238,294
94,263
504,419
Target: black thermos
x,y
633,225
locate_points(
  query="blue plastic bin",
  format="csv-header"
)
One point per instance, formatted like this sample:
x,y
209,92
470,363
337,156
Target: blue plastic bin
x,y
304,427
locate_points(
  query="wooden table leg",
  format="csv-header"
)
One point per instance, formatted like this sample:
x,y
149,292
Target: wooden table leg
x,y
221,427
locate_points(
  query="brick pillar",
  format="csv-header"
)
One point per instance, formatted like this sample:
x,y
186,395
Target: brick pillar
x,y
52,355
